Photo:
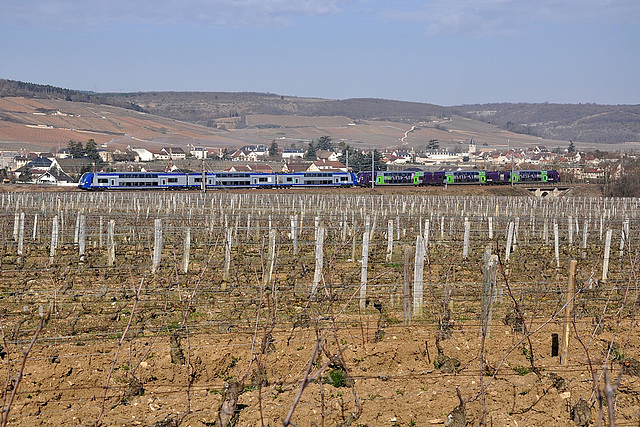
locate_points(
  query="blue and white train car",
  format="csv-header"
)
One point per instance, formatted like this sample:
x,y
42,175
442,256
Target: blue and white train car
x,y
227,180
316,179
132,180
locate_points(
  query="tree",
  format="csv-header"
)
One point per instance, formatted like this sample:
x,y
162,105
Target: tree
x,y
75,149
324,143
310,154
273,149
362,162
572,147
25,176
91,151
433,145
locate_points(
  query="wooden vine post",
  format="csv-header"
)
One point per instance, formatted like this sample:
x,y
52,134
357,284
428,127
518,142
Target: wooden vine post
x,y
568,309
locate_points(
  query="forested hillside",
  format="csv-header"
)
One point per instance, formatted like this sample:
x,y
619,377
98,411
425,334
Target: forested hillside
x,y
578,122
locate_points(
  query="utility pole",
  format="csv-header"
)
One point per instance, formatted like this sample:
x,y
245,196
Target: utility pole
x,y
511,175
373,171
204,186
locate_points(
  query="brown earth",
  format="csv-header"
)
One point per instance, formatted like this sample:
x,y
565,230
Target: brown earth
x,y
190,334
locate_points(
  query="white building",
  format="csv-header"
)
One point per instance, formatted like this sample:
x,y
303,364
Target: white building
x,y
292,153
144,154
199,153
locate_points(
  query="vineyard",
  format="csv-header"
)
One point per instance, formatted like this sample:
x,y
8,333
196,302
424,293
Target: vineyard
x,y
275,308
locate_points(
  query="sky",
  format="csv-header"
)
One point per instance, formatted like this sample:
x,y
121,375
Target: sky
x,y
444,52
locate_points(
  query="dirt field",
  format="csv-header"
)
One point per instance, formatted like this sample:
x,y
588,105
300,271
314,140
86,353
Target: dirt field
x,y
127,345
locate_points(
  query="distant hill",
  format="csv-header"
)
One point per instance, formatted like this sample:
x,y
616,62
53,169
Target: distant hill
x,y
605,124
592,123
33,90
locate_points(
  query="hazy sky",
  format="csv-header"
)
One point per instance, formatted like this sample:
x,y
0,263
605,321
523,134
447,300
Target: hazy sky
x,y
445,52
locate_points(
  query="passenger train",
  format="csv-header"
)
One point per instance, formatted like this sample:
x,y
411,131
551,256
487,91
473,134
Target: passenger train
x,y
178,180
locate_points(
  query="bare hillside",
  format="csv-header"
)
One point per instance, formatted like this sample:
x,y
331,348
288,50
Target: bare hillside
x,y
47,116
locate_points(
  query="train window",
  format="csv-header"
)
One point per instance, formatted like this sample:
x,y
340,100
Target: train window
x,y
197,180
103,181
172,180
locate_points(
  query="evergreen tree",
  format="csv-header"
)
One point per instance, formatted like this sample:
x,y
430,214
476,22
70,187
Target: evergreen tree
x,y
362,162
311,152
91,151
324,143
433,145
273,149
75,149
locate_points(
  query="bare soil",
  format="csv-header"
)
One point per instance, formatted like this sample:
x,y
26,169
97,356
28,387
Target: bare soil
x,y
191,339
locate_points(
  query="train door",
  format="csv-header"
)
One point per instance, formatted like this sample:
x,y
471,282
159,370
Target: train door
x,y
113,182
163,181
449,178
544,176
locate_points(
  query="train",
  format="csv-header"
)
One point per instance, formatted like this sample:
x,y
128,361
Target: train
x,y
213,180
228,180
422,178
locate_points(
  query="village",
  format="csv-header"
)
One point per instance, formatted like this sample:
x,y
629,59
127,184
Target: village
x,y
65,166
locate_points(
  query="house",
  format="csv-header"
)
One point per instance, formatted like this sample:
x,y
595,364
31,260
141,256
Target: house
x,y
329,155
593,174
74,167
55,177
199,153
215,152
172,153
256,167
7,159
20,161
245,156
63,153
143,154
292,153
324,165
106,156
42,170
296,167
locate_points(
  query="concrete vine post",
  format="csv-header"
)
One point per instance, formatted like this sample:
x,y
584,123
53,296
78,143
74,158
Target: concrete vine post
x,y
317,276
389,240
363,271
406,288
227,257
157,246
509,242
467,233
418,275
21,238
82,237
568,309
607,251
54,239
556,240
489,291
186,250
111,243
